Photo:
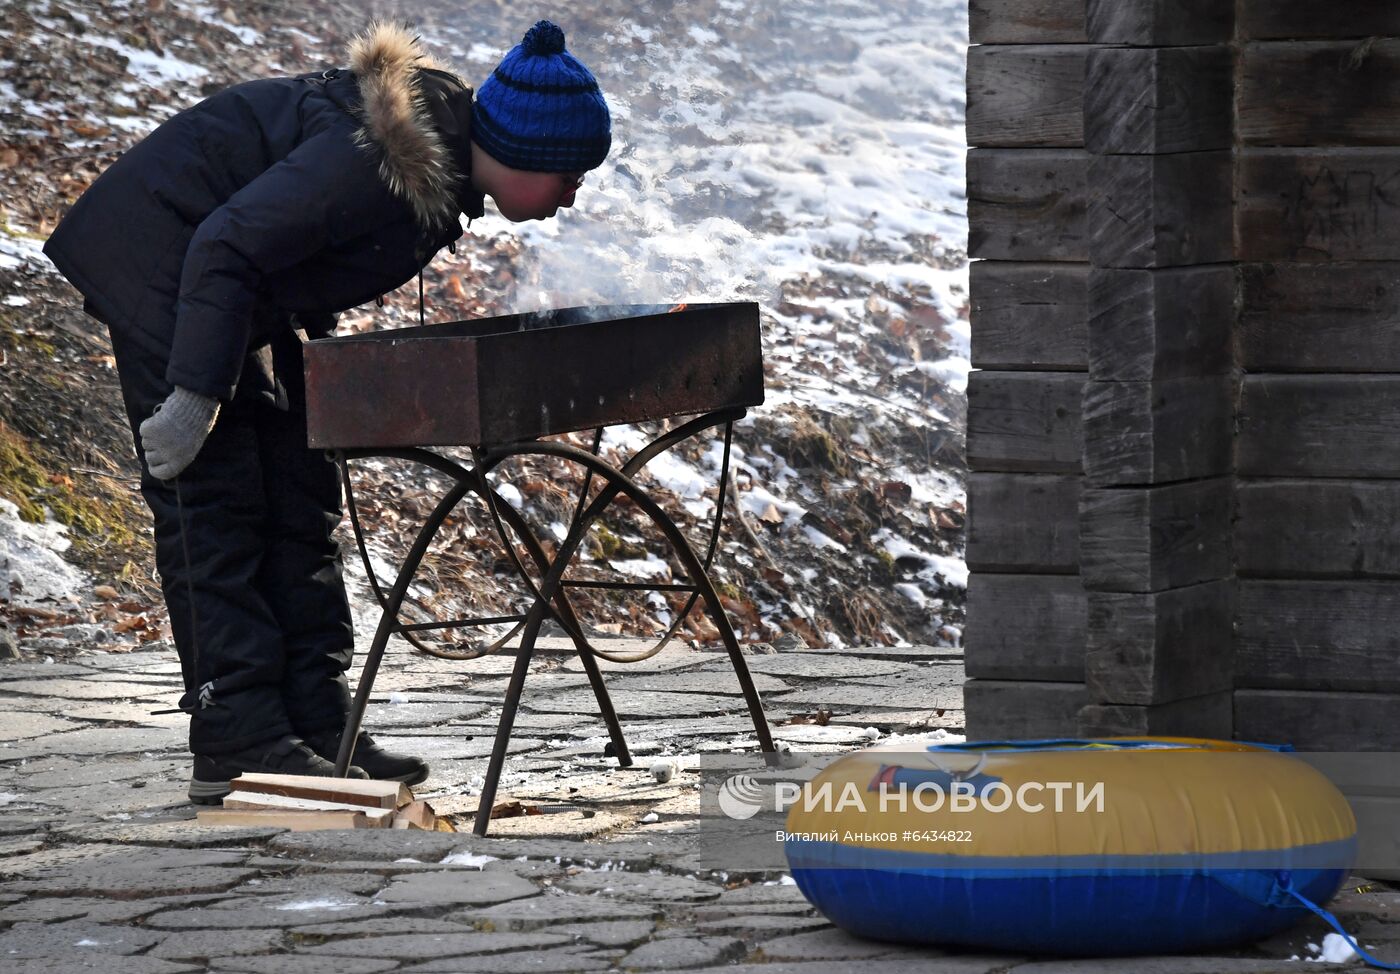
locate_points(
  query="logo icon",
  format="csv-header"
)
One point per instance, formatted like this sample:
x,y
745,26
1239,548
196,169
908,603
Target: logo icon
x,y
740,797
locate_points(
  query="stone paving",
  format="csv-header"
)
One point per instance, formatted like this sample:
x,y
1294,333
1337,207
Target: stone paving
x,y
102,866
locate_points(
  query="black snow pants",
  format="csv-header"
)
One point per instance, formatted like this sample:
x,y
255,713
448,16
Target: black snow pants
x,y
248,565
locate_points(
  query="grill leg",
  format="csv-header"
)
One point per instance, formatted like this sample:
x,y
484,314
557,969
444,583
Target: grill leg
x,y
507,721
563,612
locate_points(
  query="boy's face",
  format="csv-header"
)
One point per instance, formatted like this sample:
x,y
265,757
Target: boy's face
x,y
521,195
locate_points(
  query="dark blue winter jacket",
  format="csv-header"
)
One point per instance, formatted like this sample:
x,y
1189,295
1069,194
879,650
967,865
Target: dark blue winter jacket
x,y
273,199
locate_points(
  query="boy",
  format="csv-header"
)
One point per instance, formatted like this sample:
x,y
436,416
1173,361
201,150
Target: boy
x,y
269,207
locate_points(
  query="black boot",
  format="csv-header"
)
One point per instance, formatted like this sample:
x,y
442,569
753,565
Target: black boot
x,y
213,775
378,763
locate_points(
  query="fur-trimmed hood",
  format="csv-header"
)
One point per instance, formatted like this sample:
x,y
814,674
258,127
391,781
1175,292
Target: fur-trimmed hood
x,y
414,161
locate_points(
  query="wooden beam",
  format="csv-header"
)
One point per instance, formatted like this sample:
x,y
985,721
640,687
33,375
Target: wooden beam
x,y
292,808
1141,433
1025,627
1159,23
1160,211
999,709
1158,100
1022,523
1026,21
1028,316
1024,421
1318,528
293,821
1279,19
1026,95
349,791
1160,324
1319,317
1318,204
1159,647
1207,716
1313,635
1319,720
1319,426
1316,93
1135,540
1027,204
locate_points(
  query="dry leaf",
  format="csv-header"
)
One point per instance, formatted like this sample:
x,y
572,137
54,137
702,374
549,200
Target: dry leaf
x,y
896,491
130,623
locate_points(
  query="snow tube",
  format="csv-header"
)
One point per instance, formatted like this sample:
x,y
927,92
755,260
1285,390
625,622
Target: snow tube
x,y
1073,847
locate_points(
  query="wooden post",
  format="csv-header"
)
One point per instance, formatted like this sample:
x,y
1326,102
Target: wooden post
x,y
1028,207
1157,418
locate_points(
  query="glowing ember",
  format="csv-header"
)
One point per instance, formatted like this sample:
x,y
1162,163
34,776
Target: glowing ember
x,y
680,307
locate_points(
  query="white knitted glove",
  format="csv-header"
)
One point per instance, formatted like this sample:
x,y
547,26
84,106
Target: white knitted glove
x,y
177,429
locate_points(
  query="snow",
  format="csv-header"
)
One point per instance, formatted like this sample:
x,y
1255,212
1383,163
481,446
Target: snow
x,y
648,567
154,69
16,251
470,859
1333,950
31,565
326,903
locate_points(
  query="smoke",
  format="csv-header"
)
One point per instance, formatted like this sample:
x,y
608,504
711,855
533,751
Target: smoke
x,y
753,143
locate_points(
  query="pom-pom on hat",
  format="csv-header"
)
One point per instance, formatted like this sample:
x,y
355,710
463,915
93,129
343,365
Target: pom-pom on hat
x,y
541,109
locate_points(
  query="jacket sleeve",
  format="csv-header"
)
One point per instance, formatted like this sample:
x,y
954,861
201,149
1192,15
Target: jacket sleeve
x,y
325,191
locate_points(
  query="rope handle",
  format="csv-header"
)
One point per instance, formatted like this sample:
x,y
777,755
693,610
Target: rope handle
x,y
1277,897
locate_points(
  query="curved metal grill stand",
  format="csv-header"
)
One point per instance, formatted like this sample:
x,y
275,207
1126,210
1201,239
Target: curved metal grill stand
x,y
550,597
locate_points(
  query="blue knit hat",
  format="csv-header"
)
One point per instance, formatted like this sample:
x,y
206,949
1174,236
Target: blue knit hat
x,y
541,109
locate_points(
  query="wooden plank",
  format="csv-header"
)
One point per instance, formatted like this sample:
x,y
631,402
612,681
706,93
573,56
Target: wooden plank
x,y
1024,421
1317,528
1029,316
293,821
1019,709
1318,635
416,815
1319,317
1027,204
1318,204
350,791
253,799
1316,93
1150,540
1141,433
1026,21
1158,100
1025,627
1160,23
374,818
1319,720
1319,426
1022,523
1159,647
1160,324
1026,95
1207,716
1278,19
1160,211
